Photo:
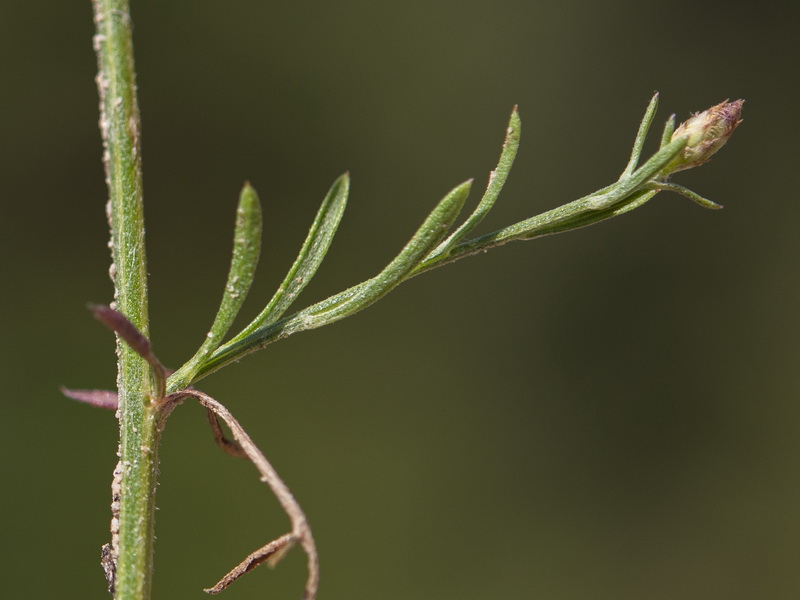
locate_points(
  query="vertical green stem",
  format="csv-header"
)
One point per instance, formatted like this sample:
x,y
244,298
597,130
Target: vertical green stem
x,y
134,482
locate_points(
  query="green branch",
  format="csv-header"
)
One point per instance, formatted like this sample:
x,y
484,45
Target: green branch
x,y
431,247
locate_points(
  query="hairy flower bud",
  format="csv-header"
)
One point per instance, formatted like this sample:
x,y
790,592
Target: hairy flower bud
x,y
707,132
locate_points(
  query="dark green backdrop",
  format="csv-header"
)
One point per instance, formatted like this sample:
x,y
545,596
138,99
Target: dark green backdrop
x,y
610,414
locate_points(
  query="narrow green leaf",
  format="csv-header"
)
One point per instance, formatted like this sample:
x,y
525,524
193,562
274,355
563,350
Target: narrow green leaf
x,y
638,144
246,251
497,180
669,129
314,249
686,192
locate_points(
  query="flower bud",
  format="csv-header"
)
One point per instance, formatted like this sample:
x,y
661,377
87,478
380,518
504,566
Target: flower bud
x,y
707,132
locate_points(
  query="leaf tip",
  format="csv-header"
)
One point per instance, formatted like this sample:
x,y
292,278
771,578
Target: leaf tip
x,y
99,398
248,197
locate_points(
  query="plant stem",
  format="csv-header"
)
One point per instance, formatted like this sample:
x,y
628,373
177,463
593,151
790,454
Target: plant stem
x,y
133,490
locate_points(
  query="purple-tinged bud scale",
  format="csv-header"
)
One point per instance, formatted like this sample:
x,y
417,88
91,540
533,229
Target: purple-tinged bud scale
x,y
707,132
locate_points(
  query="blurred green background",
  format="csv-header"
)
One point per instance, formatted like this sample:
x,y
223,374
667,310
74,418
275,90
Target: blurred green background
x,y
608,414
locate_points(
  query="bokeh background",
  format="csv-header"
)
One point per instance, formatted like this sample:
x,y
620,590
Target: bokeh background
x,y
611,413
